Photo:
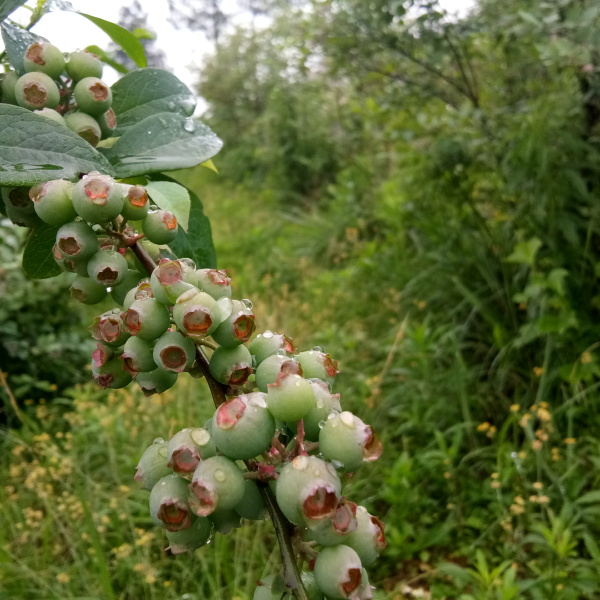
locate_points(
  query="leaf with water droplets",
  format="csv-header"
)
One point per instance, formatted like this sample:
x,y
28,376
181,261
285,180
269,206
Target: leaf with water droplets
x,y
162,143
34,149
8,6
16,41
147,92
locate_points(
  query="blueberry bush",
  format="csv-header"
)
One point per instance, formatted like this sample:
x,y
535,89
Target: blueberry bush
x,y
82,166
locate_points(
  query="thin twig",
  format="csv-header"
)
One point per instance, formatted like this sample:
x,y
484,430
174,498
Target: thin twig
x,y
11,396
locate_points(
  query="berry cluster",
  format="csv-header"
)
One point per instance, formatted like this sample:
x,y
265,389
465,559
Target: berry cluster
x,y
67,91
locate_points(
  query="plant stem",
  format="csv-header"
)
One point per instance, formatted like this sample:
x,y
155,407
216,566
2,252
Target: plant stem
x,y
283,528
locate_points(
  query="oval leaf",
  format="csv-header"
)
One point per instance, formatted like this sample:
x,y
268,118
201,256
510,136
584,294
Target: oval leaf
x,y
130,44
16,41
34,149
38,262
147,92
162,142
173,197
105,58
9,6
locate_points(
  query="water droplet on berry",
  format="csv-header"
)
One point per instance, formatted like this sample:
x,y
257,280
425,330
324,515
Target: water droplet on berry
x,y
188,262
109,289
317,349
220,475
300,463
247,303
321,424
200,436
281,352
267,334
320,403
189,125
337,464
347,418
158,440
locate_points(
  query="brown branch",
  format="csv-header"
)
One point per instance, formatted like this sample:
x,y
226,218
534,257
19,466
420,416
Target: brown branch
x,y
11,396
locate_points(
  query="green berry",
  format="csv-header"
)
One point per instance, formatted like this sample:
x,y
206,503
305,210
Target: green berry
x,y
130,281
214,282
137,355
196,314
19,207
107,267
135,202
93,96
153,464
174,352
50,113
109,329
231,366
344,438
225,520
9,81
141,290
107,122
84,126
252,505
318,365
291,397
325,404
156,381
368,539
77,241
338,572
83,64
170,279
242,427
238,327
45,58
52,201
337,528
147,318
68,265
192,538
188,447
267,344
169,506
111,374
217,483
160,226
87,291
36,90
97,198
271,367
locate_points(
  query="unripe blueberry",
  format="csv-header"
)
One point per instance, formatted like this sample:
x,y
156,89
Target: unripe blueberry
x,y
50,113
336,529
102,354
36,90
135,202
192,538
318,365
153,464
237,328
87,291
267,344
45,58
338,572
252,505
141,290
225,520
137,356
109,329
291,397
174,352
231,366
84,126
19,207
308,490
188,447
111,374
83,64
9,81
160,226
273,587
156,381
196,313
214,282
243,427
147,318
77,241
345,439
97,198
170,279
68,265
130,281
169,506
107,267
93,96
325,404
107,122
368,539
217,483
272,366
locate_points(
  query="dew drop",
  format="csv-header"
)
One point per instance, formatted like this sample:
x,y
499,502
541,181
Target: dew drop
x,y
163,483
321,424
200,436
337,464
267,334
189,126
300,463
188,262
320,403
281,352
247,303
317,349
347,418
158,440
109,289
220,475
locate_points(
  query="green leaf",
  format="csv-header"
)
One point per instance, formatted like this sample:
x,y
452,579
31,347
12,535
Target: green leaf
x,y
16,41
147,92
38,262
197,243
525,252
592,497
172,197
34,149
104,57
162,142
130,44
8,6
